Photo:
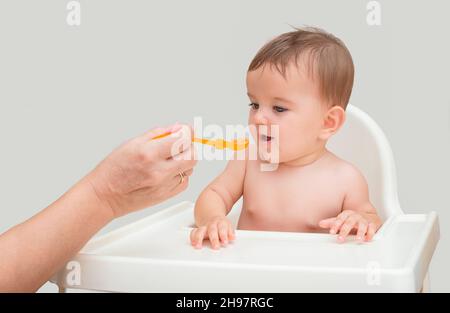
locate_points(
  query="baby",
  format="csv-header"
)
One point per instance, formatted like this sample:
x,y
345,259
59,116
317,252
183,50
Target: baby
x,y
300,82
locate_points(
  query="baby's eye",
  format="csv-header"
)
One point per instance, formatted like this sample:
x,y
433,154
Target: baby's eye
x,y
279,109
254,106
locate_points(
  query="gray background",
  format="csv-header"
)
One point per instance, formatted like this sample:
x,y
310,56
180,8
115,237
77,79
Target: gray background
x,y
68,95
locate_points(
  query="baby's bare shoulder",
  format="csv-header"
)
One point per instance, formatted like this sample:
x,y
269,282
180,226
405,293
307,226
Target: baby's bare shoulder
x,y
345,170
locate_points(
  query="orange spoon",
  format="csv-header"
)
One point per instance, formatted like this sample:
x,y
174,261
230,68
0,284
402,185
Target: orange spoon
x,y
236,144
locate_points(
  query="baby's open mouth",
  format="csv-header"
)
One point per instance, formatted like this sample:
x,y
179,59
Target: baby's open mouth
x,y
265,138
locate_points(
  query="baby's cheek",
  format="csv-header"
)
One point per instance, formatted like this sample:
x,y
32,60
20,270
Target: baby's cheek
x,y
290,147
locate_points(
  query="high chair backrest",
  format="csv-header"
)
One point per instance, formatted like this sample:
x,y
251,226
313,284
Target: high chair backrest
x,y
361,142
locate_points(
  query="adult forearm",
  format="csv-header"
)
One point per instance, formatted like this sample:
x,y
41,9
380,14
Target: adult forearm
x,y
34,250
139,173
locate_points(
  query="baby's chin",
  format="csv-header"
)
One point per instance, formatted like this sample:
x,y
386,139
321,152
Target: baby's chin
x,y
268,152
272,153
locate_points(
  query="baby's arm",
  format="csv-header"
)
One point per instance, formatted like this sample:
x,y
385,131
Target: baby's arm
x,y
358,213
215,202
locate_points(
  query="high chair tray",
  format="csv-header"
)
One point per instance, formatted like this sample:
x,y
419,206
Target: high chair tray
x,y
155,255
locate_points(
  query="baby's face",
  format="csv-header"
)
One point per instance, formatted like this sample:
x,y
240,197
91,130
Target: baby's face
x,y
293,104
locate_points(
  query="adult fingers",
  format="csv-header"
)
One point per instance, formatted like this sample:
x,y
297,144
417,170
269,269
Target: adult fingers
x,y
173,144
183,141
178,184
183,161
158,131
186,173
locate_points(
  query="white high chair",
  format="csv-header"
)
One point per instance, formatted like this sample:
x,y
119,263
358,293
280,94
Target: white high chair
x,y
154,254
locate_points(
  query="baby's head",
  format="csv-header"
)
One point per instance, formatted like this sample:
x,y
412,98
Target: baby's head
x,y
300,81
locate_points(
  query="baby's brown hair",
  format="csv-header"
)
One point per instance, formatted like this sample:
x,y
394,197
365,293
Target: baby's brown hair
x,y
329,61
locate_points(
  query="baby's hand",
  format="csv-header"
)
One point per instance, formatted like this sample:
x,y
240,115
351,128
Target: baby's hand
x,y
348,221
219,231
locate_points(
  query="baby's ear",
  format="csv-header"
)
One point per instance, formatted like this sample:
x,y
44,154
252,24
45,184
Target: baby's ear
x,y
333,120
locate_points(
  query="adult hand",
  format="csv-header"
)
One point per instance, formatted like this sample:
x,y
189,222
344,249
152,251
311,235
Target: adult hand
x,y
141,172
145,171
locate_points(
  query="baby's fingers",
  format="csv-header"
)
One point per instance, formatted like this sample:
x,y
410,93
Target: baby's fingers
x,y
340,220
346,228
362,230
370,231
213,234
327,223
197,236
223,232
231,234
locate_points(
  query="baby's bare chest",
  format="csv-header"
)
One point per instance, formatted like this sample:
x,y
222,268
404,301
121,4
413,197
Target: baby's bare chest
x,y
289,200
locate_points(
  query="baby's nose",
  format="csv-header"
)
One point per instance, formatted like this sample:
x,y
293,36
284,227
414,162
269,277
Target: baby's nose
x,y
260,118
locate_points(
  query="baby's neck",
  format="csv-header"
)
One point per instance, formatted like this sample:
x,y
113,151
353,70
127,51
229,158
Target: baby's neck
x,y
307,159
